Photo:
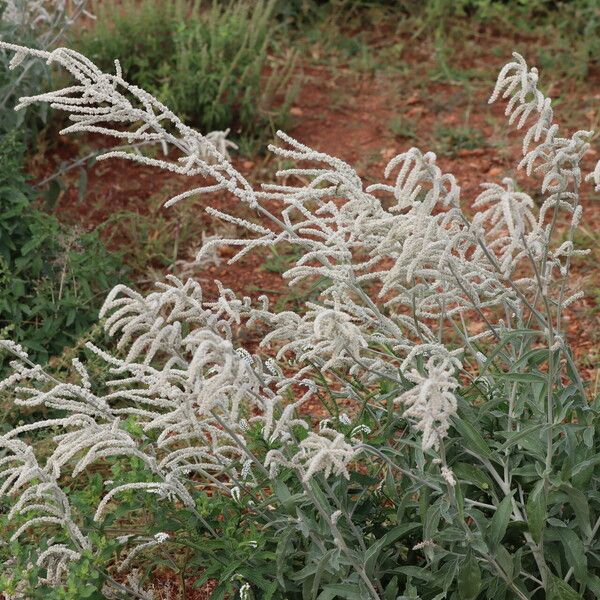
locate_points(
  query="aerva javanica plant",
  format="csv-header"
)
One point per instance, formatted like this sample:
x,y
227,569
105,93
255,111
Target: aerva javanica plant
x,y
459,470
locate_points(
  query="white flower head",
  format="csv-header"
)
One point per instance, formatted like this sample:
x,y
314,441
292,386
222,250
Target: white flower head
x,y
246,469
424,544
431,403
123,539
245,592
337,336
448,476
327,452
345,419
235,493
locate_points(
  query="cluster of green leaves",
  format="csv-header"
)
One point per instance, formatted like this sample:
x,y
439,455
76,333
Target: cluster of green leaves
x,y
210,64
52,278
542,480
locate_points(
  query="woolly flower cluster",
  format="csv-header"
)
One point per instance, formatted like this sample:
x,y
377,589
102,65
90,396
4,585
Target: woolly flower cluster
x,y
431,402
326,451
399,267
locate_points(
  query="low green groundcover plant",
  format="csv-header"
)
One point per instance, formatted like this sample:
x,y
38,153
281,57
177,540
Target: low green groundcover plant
x,y
446,460
52,277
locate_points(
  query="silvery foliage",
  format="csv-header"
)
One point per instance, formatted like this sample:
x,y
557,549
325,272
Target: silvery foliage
x,y
401,263
49,19
43,23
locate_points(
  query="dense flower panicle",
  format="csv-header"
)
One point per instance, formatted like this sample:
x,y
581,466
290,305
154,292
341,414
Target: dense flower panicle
x,y
195,402
513,230
418,176
431,403
557,159
325,452
448,476
101,103
399,267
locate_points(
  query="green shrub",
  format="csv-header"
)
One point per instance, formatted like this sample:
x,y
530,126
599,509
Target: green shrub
x,y
52,278
209,64
139,34
218,78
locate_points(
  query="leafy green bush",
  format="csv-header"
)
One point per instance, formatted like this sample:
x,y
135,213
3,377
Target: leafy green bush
x,y
218,77
139,34
52,278
210,64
